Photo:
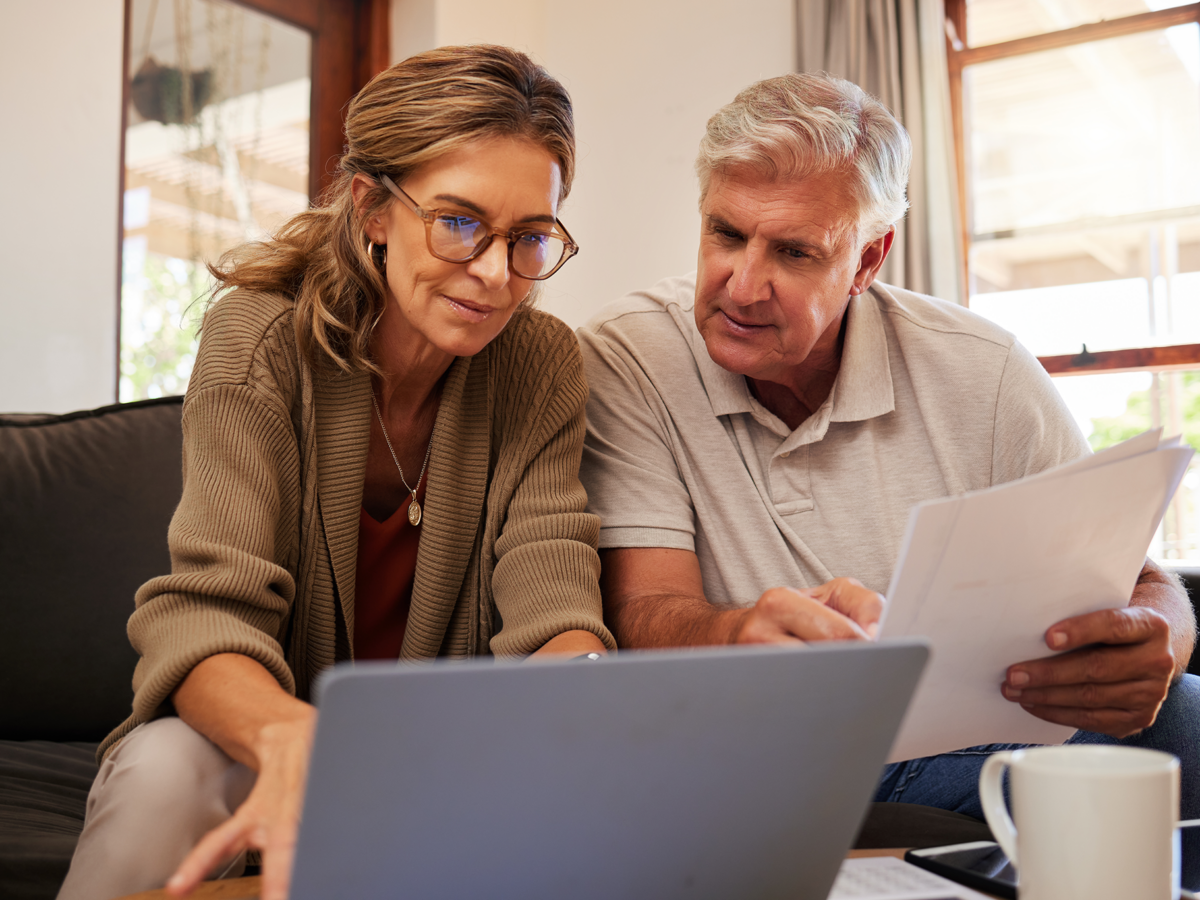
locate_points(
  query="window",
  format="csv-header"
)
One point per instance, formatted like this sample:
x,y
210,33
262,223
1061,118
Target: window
x,y
233,122
1077,128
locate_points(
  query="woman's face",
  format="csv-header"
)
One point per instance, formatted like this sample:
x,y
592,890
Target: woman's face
x,y
459,307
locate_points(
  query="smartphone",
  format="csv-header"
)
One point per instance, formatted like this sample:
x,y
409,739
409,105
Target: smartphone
x,y
981,865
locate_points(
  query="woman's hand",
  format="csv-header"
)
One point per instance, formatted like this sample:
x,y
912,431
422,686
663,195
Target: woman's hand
x,y
570,644
268,820
236,703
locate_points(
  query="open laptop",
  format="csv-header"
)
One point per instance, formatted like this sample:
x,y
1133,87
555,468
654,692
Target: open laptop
x,y
741,772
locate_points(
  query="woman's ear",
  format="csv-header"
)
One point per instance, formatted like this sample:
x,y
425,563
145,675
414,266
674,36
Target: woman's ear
x,y
360,189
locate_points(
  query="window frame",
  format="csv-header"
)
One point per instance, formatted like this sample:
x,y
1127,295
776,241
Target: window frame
x,y
1172,357
350,45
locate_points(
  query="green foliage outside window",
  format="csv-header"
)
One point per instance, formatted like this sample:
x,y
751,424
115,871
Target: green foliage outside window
x,y
1138,416
1178,532
161,310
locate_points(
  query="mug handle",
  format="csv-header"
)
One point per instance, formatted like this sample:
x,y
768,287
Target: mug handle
x,y
991,796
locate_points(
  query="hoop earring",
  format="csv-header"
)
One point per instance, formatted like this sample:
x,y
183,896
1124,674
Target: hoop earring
x,y
371,252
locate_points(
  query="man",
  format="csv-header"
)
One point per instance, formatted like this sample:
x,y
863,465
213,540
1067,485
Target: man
x,y
758,432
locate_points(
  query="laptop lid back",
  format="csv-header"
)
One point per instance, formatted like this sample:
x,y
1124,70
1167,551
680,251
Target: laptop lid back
x,y
709,773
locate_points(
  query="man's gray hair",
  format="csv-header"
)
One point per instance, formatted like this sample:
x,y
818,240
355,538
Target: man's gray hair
x,y
796,126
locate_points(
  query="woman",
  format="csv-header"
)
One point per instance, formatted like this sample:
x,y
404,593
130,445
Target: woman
x,y
381,451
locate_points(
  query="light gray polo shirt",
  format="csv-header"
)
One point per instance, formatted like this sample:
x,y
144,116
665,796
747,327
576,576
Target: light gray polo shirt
x,y
930,400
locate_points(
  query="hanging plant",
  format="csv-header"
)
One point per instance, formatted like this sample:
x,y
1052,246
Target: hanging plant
x,y
158,92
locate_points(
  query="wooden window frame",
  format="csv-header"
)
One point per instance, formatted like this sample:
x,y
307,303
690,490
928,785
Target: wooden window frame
x,y
350,45
958,57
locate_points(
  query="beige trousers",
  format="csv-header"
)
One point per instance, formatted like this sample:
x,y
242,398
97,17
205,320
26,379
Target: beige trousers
x,y
161,790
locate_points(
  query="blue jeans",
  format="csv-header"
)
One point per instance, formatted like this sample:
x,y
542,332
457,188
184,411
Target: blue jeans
x,y
951,780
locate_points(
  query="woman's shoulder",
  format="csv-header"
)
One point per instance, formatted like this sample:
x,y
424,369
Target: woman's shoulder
x,y
537,343
245,334
536,372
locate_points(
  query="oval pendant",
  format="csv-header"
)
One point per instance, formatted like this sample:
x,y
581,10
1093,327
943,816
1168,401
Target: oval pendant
x,y
414,512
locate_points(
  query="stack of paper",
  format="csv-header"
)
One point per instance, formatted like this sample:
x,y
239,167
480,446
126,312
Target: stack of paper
x,y
888,878
984,575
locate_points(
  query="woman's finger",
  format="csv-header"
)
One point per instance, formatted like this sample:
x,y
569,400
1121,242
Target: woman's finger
x,y
277,868
222,843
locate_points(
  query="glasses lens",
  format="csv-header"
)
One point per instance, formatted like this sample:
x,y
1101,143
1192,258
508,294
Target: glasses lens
x,y
536,253
456,237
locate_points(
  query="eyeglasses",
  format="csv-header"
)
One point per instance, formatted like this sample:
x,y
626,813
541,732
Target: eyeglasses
x,y
458,238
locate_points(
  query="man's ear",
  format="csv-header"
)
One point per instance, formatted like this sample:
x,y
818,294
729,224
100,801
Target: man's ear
x,y
871,260
360,189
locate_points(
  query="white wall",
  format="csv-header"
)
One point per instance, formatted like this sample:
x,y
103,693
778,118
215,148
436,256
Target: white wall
x,y
645,76
60,100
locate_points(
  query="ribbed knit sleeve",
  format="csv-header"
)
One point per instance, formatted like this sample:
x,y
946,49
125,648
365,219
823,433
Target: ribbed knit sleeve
x,y
545,580
235,534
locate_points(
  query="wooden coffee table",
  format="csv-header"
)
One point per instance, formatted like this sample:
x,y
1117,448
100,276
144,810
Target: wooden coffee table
x,y
225,889
248,888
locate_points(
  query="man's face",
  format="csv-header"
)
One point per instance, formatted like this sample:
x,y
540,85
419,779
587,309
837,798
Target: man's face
x,y
778,262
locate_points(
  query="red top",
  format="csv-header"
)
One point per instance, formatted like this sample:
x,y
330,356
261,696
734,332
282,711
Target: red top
x,y
387,563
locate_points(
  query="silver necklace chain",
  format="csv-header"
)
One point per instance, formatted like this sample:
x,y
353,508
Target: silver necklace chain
x,y
414,508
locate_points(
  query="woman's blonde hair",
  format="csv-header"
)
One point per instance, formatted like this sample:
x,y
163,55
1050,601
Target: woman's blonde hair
x,y
409,115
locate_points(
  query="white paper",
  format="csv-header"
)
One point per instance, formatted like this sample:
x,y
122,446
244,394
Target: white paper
x,y
984,575
888,878
1142,443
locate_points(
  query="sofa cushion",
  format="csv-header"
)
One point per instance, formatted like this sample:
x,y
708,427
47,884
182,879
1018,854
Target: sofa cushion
x,y
43,796
85,501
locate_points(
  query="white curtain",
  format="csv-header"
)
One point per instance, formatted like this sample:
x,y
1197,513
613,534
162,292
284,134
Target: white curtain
x,y
895,50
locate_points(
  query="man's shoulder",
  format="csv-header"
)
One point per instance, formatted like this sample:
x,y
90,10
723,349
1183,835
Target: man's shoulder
x,y
661,307
985,377
926,316
651,325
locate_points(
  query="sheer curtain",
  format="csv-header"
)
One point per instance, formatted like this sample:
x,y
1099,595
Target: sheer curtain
x,y
895,49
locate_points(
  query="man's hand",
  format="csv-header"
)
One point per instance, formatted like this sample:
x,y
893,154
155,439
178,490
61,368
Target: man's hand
x,y
1112,679
1116,665
839,610
654,597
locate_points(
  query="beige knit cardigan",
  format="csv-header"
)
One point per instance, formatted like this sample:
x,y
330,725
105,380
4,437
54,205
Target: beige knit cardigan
x,y
264,542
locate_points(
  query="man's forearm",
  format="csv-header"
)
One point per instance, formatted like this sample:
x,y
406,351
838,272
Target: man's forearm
x,y
667,620
1163,592
654,597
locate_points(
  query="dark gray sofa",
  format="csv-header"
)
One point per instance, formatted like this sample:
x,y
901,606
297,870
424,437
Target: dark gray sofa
x,y
85,501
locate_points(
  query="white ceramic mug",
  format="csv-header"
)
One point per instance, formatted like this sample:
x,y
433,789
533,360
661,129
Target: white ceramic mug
x,y
1093,822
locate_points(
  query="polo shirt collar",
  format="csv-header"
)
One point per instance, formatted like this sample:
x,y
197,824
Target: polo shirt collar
x,y
728,393
862,390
